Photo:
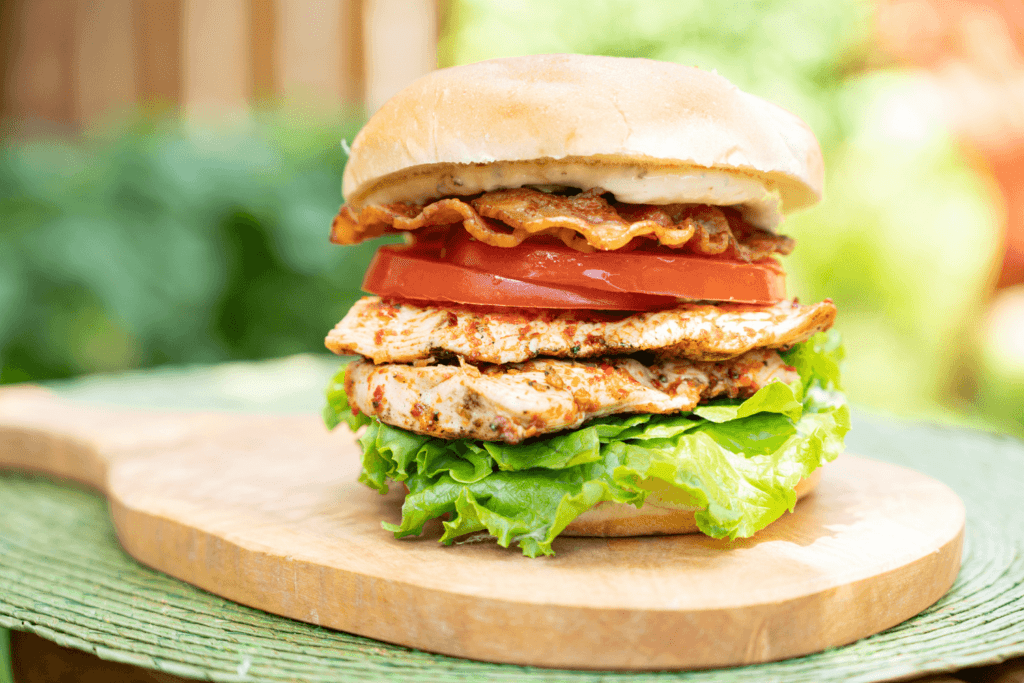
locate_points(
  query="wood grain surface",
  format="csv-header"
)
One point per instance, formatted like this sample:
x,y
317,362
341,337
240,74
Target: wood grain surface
x,y
265,510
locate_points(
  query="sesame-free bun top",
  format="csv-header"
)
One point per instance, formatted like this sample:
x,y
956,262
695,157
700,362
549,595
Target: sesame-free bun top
x,y
647,131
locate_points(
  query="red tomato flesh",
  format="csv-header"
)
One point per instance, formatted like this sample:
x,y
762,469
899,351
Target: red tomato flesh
x,y
658,271
408,272
545,274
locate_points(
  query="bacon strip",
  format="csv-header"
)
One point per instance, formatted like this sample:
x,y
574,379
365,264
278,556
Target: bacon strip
x,y
514,402
404,332
585,221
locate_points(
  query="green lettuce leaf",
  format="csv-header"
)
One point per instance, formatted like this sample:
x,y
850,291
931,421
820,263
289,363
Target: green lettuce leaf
x,y
773,398
738,461
337,409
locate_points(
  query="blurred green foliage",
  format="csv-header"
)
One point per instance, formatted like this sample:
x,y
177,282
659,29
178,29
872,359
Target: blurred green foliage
x,y
167,243
906,242
1000,395
796,53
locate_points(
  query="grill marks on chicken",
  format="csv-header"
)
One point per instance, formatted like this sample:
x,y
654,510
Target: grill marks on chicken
x,y
514,402
404,332
585,221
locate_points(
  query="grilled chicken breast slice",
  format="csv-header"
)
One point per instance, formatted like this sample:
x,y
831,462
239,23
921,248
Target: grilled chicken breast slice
x,y
404,332
514,402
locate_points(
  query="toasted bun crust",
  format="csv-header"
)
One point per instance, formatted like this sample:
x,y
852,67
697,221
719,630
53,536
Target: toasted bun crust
x,y
619,519
532,117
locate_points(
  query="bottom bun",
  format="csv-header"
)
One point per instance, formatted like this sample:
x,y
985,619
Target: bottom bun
x,y
656,517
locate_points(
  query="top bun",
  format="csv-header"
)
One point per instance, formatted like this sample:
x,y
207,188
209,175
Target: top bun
x,y
586,121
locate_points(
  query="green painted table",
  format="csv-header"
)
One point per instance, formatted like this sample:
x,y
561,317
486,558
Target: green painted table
x,y
64,578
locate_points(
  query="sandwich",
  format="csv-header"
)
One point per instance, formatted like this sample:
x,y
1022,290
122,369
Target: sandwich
x,y
586,330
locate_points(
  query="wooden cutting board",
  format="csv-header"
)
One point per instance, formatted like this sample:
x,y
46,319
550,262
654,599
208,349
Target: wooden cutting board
x,y
265,510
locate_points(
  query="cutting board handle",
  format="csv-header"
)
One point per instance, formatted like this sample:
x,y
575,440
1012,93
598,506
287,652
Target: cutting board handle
x,y
42,432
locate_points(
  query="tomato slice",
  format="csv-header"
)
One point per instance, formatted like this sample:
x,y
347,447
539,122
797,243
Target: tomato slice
x,y
418,272
656,271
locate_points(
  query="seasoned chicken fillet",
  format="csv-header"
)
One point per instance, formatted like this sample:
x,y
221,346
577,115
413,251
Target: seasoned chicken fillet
x,y
405,332
514,402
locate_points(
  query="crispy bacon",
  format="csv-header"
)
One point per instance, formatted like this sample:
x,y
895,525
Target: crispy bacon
x,y
584,221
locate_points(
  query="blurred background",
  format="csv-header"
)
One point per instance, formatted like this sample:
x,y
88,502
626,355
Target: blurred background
x,y
169,170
